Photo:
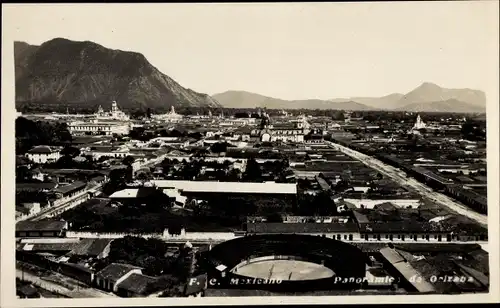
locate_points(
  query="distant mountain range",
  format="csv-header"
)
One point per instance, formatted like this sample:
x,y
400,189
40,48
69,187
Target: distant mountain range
x,y
428,97
242,99
67,71
64,71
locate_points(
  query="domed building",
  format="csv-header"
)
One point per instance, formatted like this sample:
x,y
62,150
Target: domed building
x,y
114,114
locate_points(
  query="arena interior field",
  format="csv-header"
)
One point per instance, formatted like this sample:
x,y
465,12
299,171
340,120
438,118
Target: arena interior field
x,y
284,270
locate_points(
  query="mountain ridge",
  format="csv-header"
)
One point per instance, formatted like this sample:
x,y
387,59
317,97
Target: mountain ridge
x,y
245,99
441,106
62,70
426,97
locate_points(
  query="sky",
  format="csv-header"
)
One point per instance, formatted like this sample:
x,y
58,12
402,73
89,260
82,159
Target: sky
x,y
288,51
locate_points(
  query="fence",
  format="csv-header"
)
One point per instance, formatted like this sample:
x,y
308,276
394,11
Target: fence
x,y
110,235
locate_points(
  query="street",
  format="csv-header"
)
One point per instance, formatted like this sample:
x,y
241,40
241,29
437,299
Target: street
x,y
414,185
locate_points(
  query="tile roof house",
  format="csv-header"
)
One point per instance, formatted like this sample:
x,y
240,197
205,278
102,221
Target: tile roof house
x,y
71,189
113,274
41,228
36,186
92,247
27,291
137,285
386,206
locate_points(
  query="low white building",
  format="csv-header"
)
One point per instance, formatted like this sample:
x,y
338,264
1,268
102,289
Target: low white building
x,y
170,117
43,154
120,152
370,203
99,128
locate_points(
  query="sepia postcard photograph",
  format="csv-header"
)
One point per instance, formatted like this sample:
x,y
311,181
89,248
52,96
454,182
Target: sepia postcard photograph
x,y
250,153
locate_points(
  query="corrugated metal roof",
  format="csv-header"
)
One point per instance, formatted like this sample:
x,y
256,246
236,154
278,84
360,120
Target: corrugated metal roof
x,y
229,187
140,192
406,270
391,255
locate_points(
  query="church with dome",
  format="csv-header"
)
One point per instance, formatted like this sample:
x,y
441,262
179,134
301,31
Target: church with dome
x,y
114,114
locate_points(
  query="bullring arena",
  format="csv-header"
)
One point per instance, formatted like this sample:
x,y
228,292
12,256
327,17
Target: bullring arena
x,y
282,268
291,262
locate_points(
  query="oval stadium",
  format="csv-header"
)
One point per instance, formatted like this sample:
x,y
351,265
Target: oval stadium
x,y
285,262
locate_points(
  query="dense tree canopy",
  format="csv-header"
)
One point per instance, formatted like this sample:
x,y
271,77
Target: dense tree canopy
x,y
253,171
319,204
70,151
30,133
117,180
151,254
219,147
473,130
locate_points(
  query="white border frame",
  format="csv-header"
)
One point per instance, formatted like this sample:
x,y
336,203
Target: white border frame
x,y
7,211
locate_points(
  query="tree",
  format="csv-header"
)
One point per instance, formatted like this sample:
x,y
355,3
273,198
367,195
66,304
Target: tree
x,y
62,133
274,217
30,134
117,181
23,174
253,171
219,147
128,161
338,116
234,175
89,158
195,135
143,176
70,151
